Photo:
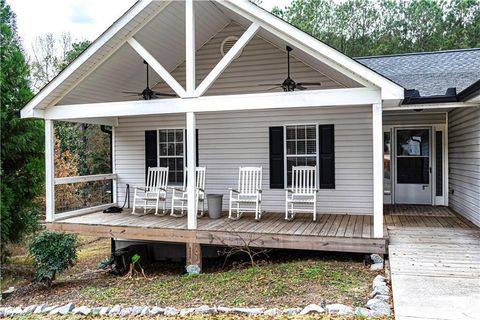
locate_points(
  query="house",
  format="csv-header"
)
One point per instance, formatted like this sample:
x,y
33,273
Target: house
x,y
402,129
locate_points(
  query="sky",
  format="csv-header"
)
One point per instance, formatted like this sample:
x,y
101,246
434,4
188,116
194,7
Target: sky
x,y
83,19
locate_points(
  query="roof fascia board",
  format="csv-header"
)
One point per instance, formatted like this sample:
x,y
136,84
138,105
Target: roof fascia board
x,y
137,8
314,47
429,106
226,103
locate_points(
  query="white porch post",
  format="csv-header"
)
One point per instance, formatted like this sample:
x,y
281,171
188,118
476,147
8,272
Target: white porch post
x,y
49,171
190,47
191,165
377,131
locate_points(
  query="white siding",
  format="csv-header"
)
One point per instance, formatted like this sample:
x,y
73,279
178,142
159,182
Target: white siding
x,y
230,140
260,63
464,162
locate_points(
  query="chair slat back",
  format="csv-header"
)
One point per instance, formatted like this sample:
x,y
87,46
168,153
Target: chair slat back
x,y
249,180
200,173
157,177
304,180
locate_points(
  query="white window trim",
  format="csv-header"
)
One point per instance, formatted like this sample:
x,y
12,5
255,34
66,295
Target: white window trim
x,y
184,149
317,154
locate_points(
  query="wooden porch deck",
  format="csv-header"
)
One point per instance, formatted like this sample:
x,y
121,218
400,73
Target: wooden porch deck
x,y
331,232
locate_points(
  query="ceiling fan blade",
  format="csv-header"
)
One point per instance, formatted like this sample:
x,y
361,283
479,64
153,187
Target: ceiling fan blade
x,y
269,84
300,87
276,87
161,94
309,84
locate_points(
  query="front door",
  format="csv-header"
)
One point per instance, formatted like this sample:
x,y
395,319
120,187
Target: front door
x,y
412,166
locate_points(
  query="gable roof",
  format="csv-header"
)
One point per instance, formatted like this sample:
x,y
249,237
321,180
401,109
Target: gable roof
x,y
431,73
136,20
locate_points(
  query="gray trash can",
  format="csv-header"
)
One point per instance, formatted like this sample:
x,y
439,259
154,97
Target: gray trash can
x,y
214,202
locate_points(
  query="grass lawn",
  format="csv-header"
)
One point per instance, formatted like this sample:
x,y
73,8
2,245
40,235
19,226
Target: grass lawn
x,y
282,281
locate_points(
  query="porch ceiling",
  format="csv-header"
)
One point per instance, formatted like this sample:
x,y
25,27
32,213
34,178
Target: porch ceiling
x,y
164,37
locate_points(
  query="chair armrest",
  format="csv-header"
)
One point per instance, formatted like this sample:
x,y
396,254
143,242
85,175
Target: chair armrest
x,y
163,189
289,190
200,189
233,190
259,190
144,189
176,189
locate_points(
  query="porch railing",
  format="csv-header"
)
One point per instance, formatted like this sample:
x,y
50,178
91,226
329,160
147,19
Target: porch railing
x,y
84,194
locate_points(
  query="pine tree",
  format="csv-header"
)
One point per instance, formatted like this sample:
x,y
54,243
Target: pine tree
x,y
22,143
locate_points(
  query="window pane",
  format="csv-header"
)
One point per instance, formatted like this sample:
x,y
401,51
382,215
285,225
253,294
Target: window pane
x,y
291,134
301,148
311,161
163,149
179,135
171,149
171,136
180,164
413,142
163,135
311,147
311,132
163,162
301,134
179,149
291,147
171,164
439,163
387,185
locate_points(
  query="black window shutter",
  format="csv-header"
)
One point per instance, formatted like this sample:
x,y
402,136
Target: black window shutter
x,y
326,149
151,146
276,158
196,146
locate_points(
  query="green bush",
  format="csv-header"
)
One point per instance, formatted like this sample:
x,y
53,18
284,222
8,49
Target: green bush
x,y
53,253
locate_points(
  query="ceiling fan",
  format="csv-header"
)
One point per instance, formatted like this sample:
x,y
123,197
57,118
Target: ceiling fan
x,y
289,84
147,93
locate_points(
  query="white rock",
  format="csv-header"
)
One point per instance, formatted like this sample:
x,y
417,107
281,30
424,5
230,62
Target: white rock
x,y
382,297
186,311
125,312
364,312
104,311
376,266
376,258
272,312
29,309
156,311
82,310
291,311
63,310
96,310
8,311
378,306
205,309
114,311
339,309
135,311
312,308
384,290
169,311
48,309
379,278
17,311
193,269
39,309
249,311
145,311
224,309
2,312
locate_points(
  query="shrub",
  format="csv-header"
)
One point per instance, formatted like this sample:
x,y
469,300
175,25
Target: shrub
x,y
53,253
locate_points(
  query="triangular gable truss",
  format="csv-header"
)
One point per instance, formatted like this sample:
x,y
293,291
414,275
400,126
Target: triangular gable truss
x,y
258,18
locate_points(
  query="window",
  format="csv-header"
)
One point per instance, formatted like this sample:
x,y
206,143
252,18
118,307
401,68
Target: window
x,y
301,147
171,153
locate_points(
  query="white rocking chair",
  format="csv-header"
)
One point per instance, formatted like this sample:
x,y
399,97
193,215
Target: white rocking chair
x,y
154,192
179,195
249,193
303,192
